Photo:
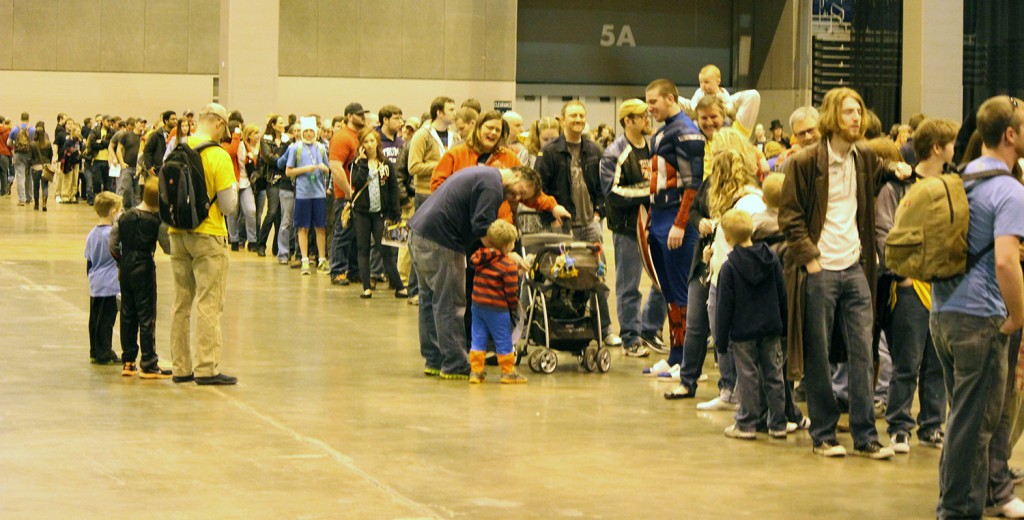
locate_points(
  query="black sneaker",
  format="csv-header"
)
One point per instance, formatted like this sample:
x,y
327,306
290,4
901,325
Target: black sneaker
x,y
219,379
655,344
155,373
184,379
234,246
933,438
261,252
874,450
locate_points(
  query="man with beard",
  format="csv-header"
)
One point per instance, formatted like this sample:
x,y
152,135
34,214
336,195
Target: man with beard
x,y
344,149
626,183
828,217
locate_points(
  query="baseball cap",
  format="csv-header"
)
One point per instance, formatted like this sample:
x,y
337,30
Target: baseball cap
x,y
355,108
216,110
632,107
413,122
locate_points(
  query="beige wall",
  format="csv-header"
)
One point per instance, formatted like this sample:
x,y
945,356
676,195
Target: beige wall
x,y
933,57
412,39
80,94
780,79
328,96
159,36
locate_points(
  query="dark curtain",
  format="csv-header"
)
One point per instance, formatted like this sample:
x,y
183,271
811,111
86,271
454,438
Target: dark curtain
x,y
993,50
877,56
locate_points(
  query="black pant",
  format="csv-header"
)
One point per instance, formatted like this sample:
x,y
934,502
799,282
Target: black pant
x,y
102,314
138,308
373,223
273,219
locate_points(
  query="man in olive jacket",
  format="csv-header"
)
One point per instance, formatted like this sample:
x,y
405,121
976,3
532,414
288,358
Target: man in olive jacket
x,y
828,217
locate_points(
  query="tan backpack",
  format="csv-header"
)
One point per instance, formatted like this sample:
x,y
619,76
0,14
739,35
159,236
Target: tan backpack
x,y
928,239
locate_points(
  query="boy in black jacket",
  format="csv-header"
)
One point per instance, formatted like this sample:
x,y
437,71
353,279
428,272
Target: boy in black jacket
x,y
751,287
133,241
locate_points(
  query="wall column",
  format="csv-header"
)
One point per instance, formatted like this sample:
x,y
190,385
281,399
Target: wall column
x,y
249,57
933,58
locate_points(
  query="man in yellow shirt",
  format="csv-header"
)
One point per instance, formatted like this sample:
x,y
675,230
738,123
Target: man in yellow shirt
x,y
199,262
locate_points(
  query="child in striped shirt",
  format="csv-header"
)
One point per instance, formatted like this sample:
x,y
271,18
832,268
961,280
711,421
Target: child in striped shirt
x,y
495,300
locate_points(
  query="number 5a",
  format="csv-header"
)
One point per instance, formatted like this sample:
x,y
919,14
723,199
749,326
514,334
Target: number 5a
x,y
625,36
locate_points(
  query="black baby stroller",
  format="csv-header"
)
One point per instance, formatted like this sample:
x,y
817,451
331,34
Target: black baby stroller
x,y
560,302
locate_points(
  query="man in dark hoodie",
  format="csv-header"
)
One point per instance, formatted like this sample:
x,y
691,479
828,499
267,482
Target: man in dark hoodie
x,y
751,286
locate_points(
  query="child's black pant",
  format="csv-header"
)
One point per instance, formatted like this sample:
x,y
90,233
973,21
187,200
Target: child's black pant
x,y
102,314
138,309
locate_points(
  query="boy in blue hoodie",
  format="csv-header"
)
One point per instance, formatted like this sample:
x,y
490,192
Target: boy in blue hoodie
x,y
751,287
103,284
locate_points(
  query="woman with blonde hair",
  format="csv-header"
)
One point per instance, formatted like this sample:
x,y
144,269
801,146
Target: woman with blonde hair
x,y
69,160
732,184
248,158
542,132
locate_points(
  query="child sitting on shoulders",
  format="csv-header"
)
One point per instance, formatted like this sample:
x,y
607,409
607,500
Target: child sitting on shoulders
x,y
103,286
133,241
751,317
495,300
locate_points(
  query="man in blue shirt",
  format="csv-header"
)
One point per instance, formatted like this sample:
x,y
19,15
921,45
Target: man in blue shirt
x,y
972,319
22,157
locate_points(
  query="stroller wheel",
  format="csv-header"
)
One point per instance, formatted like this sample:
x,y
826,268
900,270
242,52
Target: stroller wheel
x,y
604,360
535,360
548,361
589,358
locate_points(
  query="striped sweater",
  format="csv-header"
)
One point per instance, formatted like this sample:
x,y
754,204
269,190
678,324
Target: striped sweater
x,y
496,282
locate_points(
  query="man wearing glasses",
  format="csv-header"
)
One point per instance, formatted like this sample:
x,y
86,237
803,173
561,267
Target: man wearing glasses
x,y
626,183
804,122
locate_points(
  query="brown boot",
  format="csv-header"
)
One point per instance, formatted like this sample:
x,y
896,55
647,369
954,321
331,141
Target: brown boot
x,y
476,366
509,376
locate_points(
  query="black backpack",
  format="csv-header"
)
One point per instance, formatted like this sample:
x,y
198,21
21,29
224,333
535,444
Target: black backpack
x,y
184,203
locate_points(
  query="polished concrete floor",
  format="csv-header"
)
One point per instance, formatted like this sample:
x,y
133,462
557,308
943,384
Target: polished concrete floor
x,y
333,419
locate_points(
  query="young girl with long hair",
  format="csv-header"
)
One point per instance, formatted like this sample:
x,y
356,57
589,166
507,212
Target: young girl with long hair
x,y
376,201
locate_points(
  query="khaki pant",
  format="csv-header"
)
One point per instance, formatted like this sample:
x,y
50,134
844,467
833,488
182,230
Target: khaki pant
x,y
67,184
200,266
404,260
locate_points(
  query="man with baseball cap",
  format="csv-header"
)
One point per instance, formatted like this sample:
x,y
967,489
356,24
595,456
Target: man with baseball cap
x,y
344,148
199,261
626,183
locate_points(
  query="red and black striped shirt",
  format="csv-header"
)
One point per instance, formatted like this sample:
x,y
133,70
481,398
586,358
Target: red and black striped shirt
x,y
496,282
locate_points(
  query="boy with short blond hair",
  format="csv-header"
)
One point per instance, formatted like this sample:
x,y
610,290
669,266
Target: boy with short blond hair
x,y
751,317
103,286
495,300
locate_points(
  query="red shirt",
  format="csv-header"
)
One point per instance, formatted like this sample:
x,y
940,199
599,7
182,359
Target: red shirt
x,y
4,134
344,148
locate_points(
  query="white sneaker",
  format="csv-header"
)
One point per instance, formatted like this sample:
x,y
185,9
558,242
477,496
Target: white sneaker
x,y
657,368
703,378
1012,509
900,442
718,405
829,450
671,376
805,424
780,434
612,340
733,432
792,427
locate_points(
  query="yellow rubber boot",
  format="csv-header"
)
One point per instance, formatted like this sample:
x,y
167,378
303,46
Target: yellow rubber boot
x,y
476,366
509,376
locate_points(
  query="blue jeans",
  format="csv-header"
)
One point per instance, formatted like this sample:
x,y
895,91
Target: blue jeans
x,y
759,366
973,354
842,299
698,329
442,276
284,234
915,368
726,363
273,218
127,187
492,324
414,285
100,171
21,176
634,323
246,216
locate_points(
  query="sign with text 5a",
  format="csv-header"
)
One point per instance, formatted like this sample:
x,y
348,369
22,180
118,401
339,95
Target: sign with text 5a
x,y
620,42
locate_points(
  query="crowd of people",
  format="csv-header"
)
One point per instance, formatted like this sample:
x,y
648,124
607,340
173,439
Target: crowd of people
x,y
770,248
